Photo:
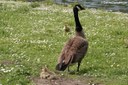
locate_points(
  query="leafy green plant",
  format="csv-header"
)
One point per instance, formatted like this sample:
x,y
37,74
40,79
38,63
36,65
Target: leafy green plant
x,y
35,4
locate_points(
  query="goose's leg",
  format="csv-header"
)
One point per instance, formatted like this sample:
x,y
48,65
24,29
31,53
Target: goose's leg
x,y
68,69
78,66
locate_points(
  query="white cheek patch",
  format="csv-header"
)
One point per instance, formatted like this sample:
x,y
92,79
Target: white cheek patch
x,y
78,7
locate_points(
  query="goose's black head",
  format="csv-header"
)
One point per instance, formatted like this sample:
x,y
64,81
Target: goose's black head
x,y
78,7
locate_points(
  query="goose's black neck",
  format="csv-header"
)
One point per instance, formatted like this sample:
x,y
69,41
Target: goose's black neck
x,y
77,22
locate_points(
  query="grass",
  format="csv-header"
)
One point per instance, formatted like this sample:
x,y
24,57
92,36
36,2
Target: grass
x,y
30,39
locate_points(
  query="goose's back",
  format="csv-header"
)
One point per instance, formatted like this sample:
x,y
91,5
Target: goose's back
x,y
75,48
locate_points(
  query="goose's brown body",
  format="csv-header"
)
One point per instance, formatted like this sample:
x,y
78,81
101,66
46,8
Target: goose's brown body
x,y
75,49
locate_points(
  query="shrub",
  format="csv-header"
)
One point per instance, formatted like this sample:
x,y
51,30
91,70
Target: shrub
x,y
34,4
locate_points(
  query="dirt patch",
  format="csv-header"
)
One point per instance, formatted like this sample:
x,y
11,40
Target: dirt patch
x,y
48,77
6,62
59,81
65,81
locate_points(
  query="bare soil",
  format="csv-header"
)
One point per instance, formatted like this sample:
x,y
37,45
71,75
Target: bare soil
x,y
59,81
64,81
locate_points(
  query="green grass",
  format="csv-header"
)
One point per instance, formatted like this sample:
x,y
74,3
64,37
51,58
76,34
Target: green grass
x,y
30,39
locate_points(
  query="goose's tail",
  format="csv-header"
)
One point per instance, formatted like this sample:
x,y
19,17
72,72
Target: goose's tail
x,y
63,65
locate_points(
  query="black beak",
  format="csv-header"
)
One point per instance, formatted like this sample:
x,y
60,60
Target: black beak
x,y
82,8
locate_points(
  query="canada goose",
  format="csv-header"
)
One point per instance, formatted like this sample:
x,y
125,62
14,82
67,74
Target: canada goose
x,y
76,47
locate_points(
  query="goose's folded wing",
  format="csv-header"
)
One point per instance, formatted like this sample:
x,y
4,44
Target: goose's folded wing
x,y
74,47
65,50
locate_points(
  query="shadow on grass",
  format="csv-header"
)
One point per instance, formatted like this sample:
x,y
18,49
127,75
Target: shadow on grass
x,y
86,70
